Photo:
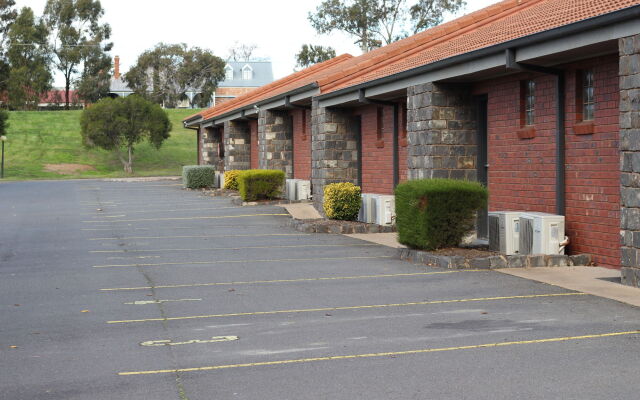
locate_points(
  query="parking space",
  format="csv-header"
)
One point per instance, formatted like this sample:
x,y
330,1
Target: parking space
x,y
142,290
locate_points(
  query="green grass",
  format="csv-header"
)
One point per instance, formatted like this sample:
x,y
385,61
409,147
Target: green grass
x,y
36,138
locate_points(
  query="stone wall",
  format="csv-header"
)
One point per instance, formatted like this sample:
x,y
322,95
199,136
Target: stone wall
x,y
334,149
275,141
210,139
441,132
237,145
630,158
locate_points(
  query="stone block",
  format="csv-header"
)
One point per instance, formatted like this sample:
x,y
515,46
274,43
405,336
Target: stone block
x,y
536,261
498,262
517,261
630,276
581,260
556,260
480,263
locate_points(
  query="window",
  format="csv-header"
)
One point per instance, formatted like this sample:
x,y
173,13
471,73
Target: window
x,y
528,102
588,102
247,73
228,72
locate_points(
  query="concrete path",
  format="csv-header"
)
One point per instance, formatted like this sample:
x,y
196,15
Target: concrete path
x,y
141,290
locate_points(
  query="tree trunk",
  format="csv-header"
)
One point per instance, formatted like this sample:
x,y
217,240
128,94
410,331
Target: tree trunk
x,y
67,86
127,163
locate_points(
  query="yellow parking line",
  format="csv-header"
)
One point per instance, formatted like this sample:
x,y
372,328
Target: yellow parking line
x,y
201,236
385,354
236,248
162,211
418,303
239,261
190,218
328,278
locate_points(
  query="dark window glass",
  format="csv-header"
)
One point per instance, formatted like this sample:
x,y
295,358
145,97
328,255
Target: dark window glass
x,y
529,102
588,102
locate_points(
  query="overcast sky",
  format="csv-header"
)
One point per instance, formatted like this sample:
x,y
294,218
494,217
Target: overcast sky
x,y
277,27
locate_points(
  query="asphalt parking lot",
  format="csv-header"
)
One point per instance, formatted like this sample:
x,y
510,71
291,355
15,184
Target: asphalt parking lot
x,y
142,290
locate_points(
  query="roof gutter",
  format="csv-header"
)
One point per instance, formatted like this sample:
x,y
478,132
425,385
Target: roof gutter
x,y
253,106
576,27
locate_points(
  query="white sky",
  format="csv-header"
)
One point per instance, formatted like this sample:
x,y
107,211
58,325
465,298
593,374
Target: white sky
x,y
277,27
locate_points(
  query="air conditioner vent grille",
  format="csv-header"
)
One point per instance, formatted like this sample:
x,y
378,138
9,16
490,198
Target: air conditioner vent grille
x,y
526,235
494,233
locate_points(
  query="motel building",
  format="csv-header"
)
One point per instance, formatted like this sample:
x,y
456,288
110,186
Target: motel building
x,y
537,99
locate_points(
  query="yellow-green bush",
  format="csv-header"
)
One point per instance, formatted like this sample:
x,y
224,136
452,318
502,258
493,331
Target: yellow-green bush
x,y
198,176
342,201
231,179
257,184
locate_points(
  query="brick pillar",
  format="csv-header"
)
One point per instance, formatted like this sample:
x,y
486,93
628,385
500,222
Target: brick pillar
x,y
210,139
275,141
237,145
441,132
334,154
630,158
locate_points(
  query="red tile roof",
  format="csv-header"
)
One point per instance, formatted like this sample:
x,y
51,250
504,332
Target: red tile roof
x,y
498,23
294,81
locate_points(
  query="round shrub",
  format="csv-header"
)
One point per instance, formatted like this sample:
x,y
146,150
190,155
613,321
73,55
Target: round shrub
x,y
437,213
257,184
342,201
198,176
231,179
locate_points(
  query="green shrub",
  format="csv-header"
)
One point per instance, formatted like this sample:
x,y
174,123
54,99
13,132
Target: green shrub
x,y
231,179
257,184
198,176
342,201
437,213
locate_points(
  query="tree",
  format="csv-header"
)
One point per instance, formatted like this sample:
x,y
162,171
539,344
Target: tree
x,y
241,52
377,22
76,33
119,124
310,54
94,82
167,71
28,56
8,14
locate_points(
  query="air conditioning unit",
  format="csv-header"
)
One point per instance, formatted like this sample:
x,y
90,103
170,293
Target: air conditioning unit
x,y
541,233
303,189
385,209
290,189
218,180
504,232
367,208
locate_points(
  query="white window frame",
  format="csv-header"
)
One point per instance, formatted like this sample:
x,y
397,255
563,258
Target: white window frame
x,y
228,72
247,72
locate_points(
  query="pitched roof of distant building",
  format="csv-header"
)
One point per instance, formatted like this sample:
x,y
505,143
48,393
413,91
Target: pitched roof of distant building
x,y
262,74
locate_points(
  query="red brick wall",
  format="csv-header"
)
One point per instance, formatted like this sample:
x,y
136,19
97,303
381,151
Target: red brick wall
x,y
377,149
301,144
253,127
522,171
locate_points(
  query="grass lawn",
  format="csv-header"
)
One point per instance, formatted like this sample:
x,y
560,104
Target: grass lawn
x,y
39,138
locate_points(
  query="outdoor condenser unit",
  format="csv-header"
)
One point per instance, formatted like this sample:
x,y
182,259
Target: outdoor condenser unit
x,y
303,189
385,206
367,208
541,233
290,189
504,232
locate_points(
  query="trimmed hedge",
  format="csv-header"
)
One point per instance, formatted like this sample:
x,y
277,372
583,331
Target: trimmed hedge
x,y
231,179
437,213
257,184
342,201
198,176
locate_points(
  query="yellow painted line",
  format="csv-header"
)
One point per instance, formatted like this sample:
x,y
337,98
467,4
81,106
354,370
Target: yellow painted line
x,y
240,261
328,278
214,339
235,248
385,354
165,210
191,218
202,236
417,303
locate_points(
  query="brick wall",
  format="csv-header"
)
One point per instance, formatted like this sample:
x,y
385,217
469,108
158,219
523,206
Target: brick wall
x,y
629,69
210,139
334,153
237,143
253,128
301,143
522,171
377,148
275,149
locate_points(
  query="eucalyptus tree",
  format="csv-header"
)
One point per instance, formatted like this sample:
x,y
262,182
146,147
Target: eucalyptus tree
x,y
310,54
76,35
